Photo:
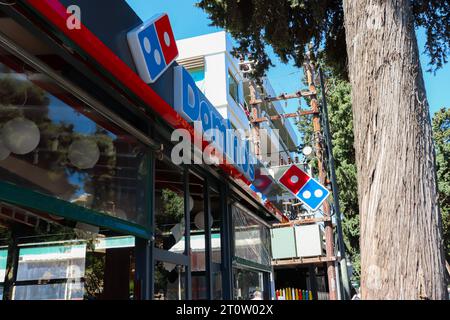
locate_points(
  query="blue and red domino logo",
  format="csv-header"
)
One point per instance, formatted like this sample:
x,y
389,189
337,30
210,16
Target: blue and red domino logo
x,y
304,187
153,47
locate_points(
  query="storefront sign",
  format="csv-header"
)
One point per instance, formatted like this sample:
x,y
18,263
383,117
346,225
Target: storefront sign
x,y
110,62
194,107
304,187
153,47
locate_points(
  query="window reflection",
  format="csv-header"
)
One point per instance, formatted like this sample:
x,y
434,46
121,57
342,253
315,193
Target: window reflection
x,y
94,269
251,238
248,285
169,281
60,259
216,255
54,144
169,207
198,244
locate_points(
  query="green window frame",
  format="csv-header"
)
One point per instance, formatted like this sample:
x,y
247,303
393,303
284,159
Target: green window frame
x,y
33,200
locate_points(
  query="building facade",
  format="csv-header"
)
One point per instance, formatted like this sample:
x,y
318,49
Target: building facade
x,y
92,206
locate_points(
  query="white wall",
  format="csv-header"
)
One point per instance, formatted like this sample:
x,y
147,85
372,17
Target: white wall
x,y
216,50
207,44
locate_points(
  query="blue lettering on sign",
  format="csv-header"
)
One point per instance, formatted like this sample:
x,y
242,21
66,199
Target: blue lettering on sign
x,y
149,39
205,113
193,106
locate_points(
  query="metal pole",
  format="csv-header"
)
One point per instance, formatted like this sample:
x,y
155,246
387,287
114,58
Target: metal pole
x,y
208,246
329,237
335,187
187,234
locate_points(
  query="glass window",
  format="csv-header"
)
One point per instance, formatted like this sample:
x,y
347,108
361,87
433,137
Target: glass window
x,y
3,261
248,285
216,255
169,208
169,281
3,258
216,215
54,144
54,291
233,85
61,259
251,238
197,250
198,74
110,269
97,269
64,261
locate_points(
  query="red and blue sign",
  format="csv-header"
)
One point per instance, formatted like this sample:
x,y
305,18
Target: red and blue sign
x,y
304,187
153,47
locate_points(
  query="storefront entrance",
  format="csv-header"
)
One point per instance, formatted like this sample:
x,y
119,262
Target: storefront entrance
x,y
188,224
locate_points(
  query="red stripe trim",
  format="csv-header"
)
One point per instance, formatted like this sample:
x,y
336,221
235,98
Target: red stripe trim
x,y
56,13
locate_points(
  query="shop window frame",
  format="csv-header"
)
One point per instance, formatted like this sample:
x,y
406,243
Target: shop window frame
x,y
44,203
39,282
161,255
30,199
238,262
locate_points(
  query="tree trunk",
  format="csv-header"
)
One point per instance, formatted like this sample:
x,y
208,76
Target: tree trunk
x,y
402,253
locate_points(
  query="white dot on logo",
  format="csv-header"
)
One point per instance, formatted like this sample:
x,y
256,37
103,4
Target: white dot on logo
x,y
306,194
206,119
294,179
157,57
318,193
147,45
167,39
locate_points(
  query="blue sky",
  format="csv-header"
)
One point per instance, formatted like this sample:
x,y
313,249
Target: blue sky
x,y
189,21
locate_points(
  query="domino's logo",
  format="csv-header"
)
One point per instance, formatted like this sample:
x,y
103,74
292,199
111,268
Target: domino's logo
x,y
153,47
304,187
194,107
313,194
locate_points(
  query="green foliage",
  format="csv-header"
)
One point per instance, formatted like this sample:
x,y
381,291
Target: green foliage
x,y
94,275
441,132
290,26
173,204
172,210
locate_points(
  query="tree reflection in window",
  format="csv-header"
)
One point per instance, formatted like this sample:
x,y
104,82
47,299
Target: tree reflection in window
x,y
77,159
169,208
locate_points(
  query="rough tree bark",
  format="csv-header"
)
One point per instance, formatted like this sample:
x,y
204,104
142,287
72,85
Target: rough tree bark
x,y
402,254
